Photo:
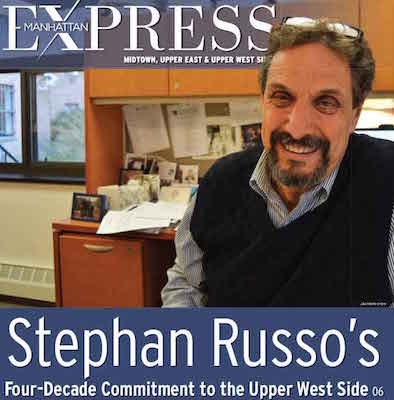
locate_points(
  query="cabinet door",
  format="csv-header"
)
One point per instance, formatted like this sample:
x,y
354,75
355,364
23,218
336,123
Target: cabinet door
x,y
128,83
214,82
100,272
377,24
345,11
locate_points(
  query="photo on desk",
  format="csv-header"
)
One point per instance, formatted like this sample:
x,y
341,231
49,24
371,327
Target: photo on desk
x,y
135,162
251,135
167,172
188,174
88,207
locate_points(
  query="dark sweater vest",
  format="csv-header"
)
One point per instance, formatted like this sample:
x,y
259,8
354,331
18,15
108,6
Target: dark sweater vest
x,y
335,255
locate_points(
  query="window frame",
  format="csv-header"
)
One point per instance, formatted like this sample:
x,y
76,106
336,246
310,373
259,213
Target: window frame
x,y
3,94
29,169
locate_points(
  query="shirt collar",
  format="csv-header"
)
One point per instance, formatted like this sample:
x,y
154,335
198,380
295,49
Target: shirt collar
x,y
260,180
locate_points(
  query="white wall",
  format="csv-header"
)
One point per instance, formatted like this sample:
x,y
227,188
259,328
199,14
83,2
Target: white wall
x,y
26,215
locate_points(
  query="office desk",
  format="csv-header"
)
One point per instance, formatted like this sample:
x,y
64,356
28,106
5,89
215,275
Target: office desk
x,y
122,270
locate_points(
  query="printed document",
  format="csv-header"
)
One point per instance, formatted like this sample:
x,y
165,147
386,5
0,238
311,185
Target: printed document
x,y
125,221
244,111
187,124
162,210
146,216
146,126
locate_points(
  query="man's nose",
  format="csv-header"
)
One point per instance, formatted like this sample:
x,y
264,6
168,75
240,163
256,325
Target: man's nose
x,y
300,120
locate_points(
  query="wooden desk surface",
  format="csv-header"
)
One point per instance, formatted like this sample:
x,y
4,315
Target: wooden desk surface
x,y
75,226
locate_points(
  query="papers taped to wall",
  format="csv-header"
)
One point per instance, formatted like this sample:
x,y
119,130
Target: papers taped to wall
x,y
146,127
187,128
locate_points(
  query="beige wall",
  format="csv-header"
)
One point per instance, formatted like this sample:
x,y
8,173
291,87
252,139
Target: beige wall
x,y
26,214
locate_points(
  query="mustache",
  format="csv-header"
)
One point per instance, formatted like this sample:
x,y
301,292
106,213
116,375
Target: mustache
x,y
308,140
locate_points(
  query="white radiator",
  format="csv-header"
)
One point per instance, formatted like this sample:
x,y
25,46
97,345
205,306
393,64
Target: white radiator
x,y
27,282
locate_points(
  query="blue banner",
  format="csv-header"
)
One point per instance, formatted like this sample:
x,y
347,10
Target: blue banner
x,y
208,353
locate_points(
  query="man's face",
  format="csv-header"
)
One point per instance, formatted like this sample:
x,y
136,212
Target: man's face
x,y
307,114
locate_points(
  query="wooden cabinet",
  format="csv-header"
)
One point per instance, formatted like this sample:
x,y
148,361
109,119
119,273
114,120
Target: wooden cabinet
x,y
345,11
128,83
104,144
377,24
98,272
113,83
374,17
109,271
214,82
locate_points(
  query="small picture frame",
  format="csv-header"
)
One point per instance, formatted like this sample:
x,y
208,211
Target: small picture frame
x,y
134,161
88,207
189,174
167,172
251,135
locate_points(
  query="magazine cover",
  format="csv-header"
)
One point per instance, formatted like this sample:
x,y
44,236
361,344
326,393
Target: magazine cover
x,y
273,276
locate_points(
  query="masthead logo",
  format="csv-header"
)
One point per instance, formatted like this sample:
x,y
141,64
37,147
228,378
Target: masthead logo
x,y
59,26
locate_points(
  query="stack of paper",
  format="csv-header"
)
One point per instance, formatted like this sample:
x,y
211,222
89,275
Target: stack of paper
x,y
146,216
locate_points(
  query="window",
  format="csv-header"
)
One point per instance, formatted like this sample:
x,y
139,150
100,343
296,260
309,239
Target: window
x,y
59,114
10,118
377,110
42,129
7,112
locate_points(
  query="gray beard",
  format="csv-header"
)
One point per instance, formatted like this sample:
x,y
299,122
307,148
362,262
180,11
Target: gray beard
x,y
292,179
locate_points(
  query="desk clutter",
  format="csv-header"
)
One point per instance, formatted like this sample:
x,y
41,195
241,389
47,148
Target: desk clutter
x,y
147,178
153,190
149,217
152,194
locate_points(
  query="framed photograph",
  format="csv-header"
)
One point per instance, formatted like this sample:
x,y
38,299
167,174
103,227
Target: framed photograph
x,y
134,161
167,172
88,207
125,175
251,135
222,140
153,183
189,174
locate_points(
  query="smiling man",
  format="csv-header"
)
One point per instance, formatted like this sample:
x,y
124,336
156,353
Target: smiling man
x,y
308,220
308,117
